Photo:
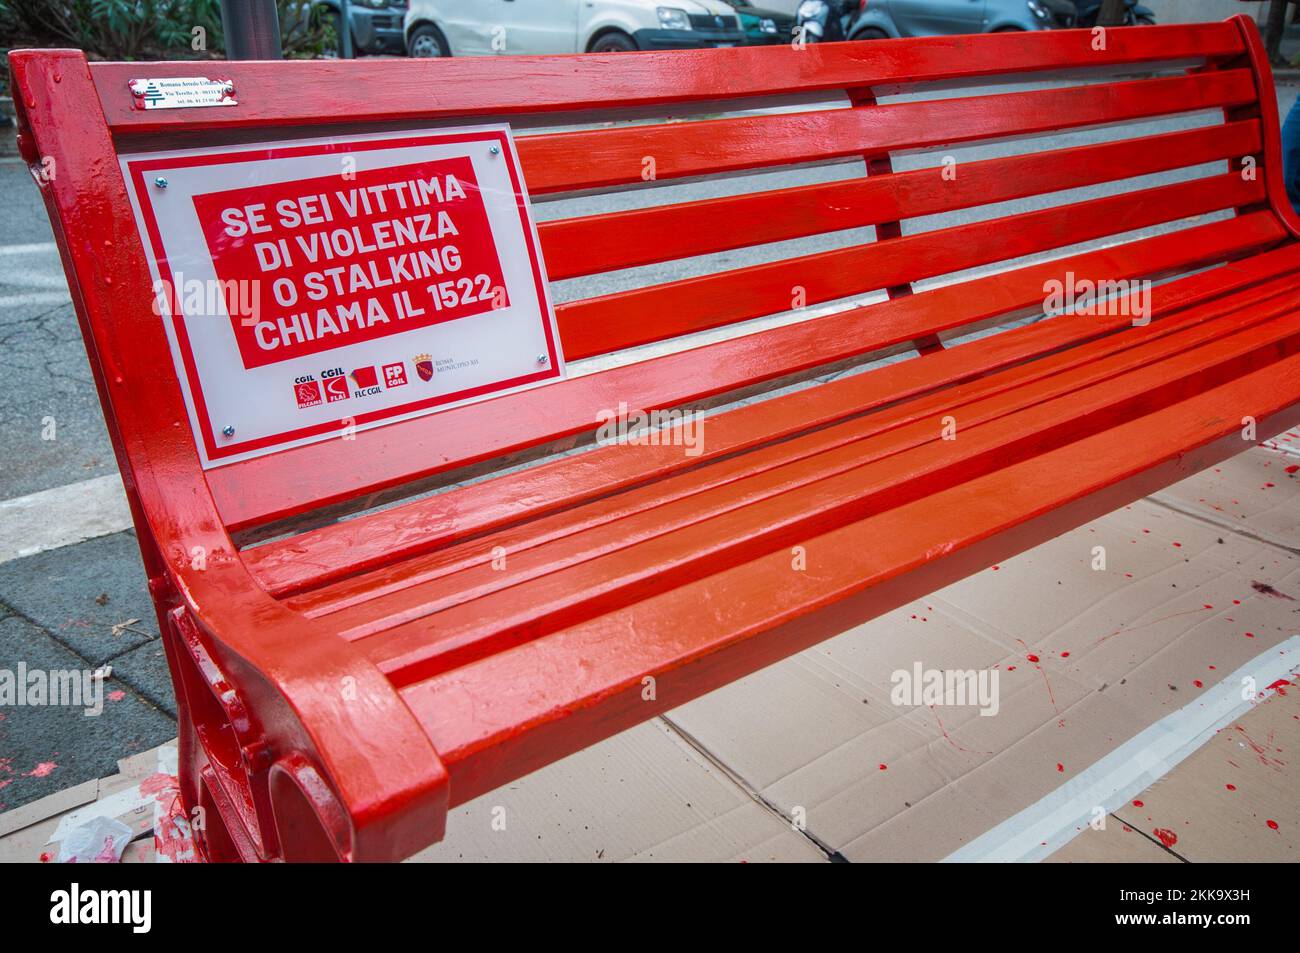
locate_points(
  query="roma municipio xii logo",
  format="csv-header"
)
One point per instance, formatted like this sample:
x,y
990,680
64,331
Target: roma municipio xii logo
x,y
424,366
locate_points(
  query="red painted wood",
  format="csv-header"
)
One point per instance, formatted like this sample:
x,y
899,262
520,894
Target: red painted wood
x,y
396,534
1264,106
289,767
597,243
428,628
287,483
602,158
629,318
505,716
788,415
613,516
290,93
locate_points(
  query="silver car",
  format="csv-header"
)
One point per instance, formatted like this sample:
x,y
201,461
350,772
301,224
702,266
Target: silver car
x,y
879,19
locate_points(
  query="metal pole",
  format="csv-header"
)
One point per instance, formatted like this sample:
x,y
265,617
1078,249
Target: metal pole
x,y
345,25
252,29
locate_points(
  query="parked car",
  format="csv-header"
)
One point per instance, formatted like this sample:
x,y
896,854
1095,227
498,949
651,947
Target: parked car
x,y
879,19
486,27
376,24
763,27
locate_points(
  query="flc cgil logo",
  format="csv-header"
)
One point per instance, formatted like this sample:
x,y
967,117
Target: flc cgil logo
x,y
74,906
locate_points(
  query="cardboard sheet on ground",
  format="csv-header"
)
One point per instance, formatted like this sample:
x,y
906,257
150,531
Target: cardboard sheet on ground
x,y
318,287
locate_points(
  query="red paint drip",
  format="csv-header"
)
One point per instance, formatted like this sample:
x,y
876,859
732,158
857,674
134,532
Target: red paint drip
x,y
1060,767
884,767
1231,787
1166,836
1138,804
1272,824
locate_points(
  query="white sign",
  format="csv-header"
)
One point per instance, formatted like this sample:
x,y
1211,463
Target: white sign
x,y
182,92
314,288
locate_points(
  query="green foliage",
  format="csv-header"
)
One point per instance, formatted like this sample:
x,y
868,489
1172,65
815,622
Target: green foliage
x,y
149,29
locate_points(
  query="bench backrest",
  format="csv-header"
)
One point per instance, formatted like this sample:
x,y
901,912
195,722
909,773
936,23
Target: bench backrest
x,y
646,124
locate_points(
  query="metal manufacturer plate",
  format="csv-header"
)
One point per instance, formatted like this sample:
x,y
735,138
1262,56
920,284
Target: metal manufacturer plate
x,y
182,92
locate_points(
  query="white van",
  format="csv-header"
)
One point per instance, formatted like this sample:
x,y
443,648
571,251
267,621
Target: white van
x,y
490,27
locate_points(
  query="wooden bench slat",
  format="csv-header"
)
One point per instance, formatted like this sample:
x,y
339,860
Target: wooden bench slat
x,y
641,316
507,715
417,631
597,243
396,535
288,93
457,568
291,482
603,158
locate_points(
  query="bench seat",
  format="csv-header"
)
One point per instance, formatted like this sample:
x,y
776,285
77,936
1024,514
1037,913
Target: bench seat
x,y
385,628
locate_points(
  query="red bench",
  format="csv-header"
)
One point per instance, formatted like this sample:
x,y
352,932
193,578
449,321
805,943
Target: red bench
x,y
342,683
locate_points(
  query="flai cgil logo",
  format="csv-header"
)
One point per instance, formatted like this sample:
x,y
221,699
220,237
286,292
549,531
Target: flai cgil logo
x,y
77,906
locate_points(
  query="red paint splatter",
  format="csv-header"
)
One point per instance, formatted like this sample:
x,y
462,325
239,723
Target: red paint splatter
x,y
1198,683
1138,804
1166,836
1060,767
42,770
116,696
1148,624
1250,635
1178,545
172,837
1272,824
1231,787
1293,468
46,857
1051,696
1065,655
1011,668
884,767
949,738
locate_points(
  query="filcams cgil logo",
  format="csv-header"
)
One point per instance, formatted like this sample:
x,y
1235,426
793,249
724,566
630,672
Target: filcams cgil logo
x,y
76,906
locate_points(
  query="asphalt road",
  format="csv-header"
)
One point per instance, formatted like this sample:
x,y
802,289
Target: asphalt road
x,y
83,605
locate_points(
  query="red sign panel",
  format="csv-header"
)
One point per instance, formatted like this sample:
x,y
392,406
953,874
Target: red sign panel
x,y
342,259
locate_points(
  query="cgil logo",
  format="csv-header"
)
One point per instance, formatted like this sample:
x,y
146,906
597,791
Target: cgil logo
x,y
75,906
